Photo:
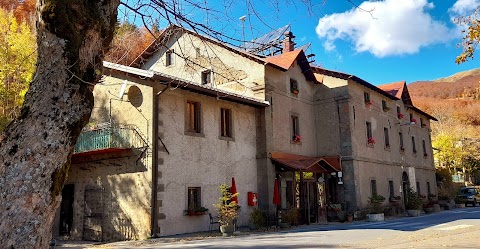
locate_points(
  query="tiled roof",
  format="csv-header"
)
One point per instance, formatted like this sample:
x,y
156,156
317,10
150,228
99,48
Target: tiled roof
x,y
305,163
394,89
184,85
284,60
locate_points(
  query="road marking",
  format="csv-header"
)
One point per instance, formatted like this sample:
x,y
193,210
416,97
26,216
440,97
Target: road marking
x,y
453,227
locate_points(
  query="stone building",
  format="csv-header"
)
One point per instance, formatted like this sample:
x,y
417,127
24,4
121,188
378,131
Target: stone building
x,y
384,141
191,113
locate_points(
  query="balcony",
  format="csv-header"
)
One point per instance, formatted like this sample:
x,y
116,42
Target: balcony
x,y
107,141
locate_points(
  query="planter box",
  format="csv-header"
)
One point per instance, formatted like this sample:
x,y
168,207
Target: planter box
x,y
376,217
413,213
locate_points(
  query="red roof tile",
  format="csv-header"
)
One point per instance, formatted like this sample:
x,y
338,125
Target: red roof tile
x,y
305,163
284,60
394,89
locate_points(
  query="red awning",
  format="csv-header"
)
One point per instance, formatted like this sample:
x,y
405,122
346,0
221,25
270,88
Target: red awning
x,y
325,164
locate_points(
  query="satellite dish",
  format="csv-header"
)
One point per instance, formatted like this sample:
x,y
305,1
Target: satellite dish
x,y
122,89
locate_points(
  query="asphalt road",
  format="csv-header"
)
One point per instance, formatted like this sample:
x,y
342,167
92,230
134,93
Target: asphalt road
x,y
458,228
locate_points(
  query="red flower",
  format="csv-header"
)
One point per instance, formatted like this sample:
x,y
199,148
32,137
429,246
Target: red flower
x,y
371,140
400,116
296,138
413,120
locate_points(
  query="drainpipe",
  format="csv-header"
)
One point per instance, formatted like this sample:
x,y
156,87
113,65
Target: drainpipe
x,y
153,222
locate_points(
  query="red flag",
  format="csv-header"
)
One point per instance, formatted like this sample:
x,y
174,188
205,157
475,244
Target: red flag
x,y
276,194
233,190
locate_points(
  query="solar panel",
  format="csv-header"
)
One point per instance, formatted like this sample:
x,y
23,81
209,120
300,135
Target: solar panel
x,y
263,44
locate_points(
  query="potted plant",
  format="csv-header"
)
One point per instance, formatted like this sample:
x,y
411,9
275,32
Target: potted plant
x,y
196,211
296,138
257,219
375,208
413,121
459,202
371,141
413,203
290,216
294,90
227,210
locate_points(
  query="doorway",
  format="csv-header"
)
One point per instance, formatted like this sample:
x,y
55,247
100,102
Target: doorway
x,y
405,185
66,210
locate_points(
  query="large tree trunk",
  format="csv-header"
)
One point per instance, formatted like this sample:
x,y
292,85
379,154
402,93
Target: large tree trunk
x,y
35,149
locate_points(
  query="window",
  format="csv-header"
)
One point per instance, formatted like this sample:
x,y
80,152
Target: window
x,y
193,117
169,58
414,147
194,198
418,188
387,139
402,147
294,86
385,108
398,110
366,97
411,117
373,185
206,77
424,148
369,133
197,52
391,190
295,129
421,122
429,190
226,122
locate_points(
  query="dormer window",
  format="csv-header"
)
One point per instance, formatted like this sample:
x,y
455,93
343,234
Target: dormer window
x,y
294,86
169,58
206,77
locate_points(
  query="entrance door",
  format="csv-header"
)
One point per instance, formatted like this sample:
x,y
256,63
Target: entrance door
x,y
93,215
405,185
66,210
310,202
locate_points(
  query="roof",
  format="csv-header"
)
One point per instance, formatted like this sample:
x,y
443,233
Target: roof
x,y
360,81
421,112
184,85
296,162
394,89
286,60
165,35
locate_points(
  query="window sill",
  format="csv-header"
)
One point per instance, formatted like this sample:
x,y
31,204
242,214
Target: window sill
x,y
194,134
370,145
387,148
231,139
402,151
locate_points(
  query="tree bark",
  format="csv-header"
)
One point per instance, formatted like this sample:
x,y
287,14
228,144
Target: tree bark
x,y
35,149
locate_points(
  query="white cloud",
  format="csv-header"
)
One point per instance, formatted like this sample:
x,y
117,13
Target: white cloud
x,y
398,27
464,7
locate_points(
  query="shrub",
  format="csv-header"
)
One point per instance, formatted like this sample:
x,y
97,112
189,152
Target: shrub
x,y
375,204
413,201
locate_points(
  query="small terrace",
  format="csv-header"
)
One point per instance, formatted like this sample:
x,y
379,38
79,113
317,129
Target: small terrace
x,y
107,141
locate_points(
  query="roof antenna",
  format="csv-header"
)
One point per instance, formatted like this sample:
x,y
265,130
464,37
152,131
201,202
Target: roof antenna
x,y
242,19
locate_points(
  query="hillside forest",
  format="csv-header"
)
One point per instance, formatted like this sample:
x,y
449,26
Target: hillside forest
x,y
455,102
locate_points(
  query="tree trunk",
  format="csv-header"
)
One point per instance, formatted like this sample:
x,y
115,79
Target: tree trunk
x,y
35,149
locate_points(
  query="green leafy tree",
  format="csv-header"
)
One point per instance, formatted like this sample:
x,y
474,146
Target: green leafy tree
x,y
17,57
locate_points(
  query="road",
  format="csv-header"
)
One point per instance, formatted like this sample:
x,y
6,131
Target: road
x,y
459,228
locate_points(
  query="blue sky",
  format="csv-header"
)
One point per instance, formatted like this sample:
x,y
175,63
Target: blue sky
x,y
387,41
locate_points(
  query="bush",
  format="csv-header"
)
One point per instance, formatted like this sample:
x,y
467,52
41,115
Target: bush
x,y
413,201
290,216
375,204
258,217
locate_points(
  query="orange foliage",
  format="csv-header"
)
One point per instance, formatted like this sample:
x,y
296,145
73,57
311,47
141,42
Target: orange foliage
x,y
23,10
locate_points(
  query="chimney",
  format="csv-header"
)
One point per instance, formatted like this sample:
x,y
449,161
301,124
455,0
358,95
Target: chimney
x,y
288,44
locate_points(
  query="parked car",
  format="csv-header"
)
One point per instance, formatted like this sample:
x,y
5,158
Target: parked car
x,y
469,195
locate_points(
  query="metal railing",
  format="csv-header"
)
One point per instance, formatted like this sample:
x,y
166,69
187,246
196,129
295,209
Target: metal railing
x,y
107,136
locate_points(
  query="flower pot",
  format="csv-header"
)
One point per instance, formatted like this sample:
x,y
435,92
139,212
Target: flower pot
x,y
413,212
349,218
376,217
227,230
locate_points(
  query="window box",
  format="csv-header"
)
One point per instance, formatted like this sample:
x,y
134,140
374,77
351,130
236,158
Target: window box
x,y
413,121
400,116
371,141
296,138
196,211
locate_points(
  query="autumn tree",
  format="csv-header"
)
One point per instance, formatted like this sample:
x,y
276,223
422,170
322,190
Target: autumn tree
x,y
17,57
471,35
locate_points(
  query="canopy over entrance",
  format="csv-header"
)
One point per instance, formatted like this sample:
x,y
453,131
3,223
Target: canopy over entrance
x,y
325,164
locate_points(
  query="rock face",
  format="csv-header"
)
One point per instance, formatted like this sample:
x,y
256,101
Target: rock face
x,y
35,149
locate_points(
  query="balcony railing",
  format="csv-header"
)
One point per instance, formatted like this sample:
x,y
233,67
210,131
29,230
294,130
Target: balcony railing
x,y
109,136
